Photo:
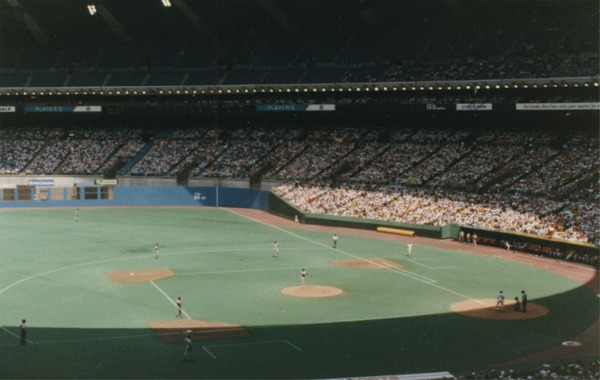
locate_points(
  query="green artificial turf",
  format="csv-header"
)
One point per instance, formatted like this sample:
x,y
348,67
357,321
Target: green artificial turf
x,y
54,272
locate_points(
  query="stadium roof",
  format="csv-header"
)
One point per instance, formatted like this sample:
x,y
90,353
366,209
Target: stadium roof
x,y
60,22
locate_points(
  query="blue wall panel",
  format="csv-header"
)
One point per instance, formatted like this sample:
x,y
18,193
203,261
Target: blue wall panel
x,y
162,196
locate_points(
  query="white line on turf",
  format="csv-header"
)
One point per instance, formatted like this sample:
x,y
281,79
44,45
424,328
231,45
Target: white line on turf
x,y
170,299
89,339
207,348
395,270
416,262
13,334
64,268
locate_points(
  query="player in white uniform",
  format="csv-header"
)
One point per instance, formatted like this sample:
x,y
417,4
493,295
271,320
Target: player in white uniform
x,y
409,249
303,274
275,249
500,301
156,250
187,354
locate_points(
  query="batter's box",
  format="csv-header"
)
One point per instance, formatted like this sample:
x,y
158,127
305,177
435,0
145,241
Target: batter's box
x,y
268,348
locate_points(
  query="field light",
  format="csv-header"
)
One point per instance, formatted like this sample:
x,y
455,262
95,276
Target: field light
x,y
166,3
92,9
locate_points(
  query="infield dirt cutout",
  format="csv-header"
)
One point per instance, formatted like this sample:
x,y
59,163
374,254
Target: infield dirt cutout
x,y
368,264
140,275
486,308
311,291
175,330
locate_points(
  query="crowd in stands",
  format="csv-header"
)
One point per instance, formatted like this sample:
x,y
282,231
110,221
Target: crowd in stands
x,y
581,370
434,206
516,181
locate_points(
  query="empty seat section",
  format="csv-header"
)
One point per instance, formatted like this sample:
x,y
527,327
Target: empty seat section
x,y
204,77
126,78
85,79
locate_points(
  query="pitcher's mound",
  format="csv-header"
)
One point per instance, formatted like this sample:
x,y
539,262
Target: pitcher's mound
x,y
311,291
176,329
486,308
145,275
368,264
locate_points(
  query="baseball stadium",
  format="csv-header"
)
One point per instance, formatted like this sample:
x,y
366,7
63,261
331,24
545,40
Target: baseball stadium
x,y
299,189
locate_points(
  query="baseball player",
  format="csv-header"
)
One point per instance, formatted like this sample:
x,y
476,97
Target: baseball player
x,y
23,329
187,354
275,249
303,274
335,240
500,301
517,305
409,249
76,217
156,250
179,307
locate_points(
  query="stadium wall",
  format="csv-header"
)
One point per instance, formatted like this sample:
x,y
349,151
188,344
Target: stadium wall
x,y
519,241
82,193
368,224
107,196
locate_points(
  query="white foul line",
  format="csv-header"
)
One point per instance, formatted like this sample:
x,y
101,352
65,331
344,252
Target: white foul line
x,y
395,270
13,334
170,300
206,348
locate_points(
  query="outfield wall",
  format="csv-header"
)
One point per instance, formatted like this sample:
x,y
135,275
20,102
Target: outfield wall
x,y
44,193
369,224
107,196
